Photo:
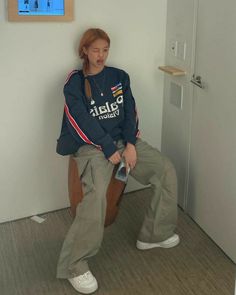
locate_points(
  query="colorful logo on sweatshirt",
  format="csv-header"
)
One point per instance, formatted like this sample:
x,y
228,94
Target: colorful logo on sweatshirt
x,y
109,109
117,90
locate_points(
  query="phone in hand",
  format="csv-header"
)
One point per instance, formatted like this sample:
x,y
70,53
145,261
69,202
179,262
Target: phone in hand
x,y
122,173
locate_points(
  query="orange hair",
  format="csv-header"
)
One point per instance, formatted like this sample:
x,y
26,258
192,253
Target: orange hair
x,y
87,39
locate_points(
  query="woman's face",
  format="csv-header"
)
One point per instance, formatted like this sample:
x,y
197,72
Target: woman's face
x,y
97,54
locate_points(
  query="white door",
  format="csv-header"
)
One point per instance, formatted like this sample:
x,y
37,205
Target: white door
x,y
212,184
177,104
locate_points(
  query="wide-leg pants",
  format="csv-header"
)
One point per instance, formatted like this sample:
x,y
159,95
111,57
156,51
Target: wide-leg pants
x,y
85,235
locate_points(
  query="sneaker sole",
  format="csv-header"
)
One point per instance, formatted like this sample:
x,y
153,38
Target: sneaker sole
x,y
88,290
174,241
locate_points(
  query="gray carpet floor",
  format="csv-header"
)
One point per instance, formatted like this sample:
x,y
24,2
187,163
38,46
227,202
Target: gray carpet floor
x,y
29,253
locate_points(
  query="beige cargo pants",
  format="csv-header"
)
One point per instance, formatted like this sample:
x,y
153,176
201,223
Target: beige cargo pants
x,y
85,235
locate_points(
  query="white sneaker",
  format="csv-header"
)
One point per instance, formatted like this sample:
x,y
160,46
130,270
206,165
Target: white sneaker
x,y
169,243
85,284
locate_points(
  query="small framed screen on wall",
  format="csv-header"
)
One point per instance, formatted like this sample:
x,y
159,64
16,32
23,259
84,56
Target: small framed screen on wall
x,y
40,10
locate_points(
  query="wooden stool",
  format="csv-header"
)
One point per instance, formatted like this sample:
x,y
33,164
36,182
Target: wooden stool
x,y
114,192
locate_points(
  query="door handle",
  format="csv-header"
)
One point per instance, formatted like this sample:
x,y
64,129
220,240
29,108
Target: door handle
x,y
197,81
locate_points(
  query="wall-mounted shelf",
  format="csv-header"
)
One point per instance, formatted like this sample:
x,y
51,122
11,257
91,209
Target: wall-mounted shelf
x,y
172,70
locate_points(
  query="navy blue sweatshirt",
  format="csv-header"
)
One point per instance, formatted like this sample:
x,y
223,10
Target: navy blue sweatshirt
x,y
109,116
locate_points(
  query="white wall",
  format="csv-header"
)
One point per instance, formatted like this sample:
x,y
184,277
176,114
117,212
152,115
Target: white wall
x,y
34,61
176,120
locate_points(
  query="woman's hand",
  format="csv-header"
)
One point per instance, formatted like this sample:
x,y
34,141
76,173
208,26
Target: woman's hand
x,y
130,156
115,158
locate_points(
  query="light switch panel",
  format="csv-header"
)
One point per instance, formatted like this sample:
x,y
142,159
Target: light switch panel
x,y
174,47
182,47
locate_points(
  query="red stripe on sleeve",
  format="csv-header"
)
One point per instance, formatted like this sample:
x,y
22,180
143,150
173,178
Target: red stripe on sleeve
x,y
70,74
77,129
